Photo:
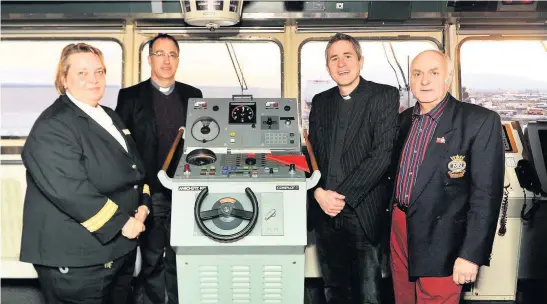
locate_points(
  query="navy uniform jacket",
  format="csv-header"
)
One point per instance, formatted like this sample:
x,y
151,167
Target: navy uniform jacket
x,y
456,200
82,187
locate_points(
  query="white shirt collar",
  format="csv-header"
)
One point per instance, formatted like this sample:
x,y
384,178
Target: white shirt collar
x,y
97,113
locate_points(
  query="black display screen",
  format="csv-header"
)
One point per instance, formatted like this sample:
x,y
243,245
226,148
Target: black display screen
x,y
506,141
543,143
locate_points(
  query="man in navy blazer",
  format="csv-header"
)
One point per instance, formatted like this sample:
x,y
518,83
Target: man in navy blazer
x,y
448,188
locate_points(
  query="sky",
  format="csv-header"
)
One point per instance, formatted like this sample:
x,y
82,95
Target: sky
x,y
25,61
209,63
206,64
375,68
527,59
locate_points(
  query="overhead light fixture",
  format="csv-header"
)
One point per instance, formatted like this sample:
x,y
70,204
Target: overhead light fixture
x,y
212,13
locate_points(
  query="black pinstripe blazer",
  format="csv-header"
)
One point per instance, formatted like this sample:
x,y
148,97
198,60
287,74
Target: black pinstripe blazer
x,y
366,153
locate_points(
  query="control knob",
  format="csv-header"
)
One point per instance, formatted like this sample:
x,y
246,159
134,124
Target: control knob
x,y
292,169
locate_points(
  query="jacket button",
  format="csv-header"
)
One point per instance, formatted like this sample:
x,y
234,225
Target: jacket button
x,y
136,187
134,166
439,217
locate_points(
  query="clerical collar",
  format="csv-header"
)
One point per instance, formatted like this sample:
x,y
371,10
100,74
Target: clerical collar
x,y
163,90
348,97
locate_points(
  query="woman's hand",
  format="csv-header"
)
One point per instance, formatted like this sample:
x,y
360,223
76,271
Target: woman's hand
x,y
133,228
142,213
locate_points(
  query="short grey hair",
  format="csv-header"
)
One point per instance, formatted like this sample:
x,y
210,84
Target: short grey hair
x,y
343,37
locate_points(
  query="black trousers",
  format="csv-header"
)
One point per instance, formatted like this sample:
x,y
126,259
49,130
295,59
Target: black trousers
x,y
99,284
350,264
158,276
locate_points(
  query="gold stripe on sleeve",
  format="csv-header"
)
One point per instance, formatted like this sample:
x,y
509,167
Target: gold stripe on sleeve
x,y
104,215
146,189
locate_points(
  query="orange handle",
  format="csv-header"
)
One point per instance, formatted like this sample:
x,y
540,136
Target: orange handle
x,y
169,158
310,152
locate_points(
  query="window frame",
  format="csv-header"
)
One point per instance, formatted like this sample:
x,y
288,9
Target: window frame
x,y
465,38
221,40
358,38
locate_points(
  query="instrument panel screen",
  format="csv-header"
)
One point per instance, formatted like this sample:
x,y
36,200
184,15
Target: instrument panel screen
x,y
242,113
508,141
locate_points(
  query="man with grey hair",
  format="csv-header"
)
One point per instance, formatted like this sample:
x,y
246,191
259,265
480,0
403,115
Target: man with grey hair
x,y
353,127
448,188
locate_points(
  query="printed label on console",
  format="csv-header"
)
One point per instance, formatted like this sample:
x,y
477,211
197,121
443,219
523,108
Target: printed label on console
x,y
287,187
191,188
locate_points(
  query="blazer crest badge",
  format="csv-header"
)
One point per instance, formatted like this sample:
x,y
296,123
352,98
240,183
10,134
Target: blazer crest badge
x,y
456,167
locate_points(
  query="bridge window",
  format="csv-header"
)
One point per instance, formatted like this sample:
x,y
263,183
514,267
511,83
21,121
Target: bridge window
x,y
28,76
380,66
221,69
507,76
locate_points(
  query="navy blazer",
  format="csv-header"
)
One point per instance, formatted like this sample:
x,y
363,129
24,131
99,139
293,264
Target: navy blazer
x,y
450,215
136,109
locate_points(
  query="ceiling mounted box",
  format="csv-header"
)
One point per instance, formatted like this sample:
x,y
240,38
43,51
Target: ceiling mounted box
x,y
389,10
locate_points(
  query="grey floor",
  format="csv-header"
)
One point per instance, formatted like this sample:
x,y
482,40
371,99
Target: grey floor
x,y
28,292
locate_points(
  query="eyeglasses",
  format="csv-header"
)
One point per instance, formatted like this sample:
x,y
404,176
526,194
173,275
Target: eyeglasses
x,y
162,54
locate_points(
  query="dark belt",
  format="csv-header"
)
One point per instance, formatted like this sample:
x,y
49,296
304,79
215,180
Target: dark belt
x,y
401,206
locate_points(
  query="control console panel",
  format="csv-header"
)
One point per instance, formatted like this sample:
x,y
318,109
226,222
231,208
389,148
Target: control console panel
x,y
231,139
250,124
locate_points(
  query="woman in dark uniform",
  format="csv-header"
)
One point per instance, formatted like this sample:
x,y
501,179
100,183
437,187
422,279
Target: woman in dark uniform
x,y
84,205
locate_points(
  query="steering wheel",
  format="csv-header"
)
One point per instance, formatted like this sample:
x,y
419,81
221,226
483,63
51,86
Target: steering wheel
x,y
225,210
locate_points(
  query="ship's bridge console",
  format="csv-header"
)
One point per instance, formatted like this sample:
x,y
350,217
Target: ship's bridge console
x,y
518,251
239,202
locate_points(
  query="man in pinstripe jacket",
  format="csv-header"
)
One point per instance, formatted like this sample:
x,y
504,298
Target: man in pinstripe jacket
x,y
352,130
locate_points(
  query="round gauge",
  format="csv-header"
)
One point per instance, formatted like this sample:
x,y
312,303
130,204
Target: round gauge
x,y
242,113
205,129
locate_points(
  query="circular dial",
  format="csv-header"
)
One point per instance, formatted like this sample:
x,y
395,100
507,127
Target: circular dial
x,y
242,113
205,129
201,157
